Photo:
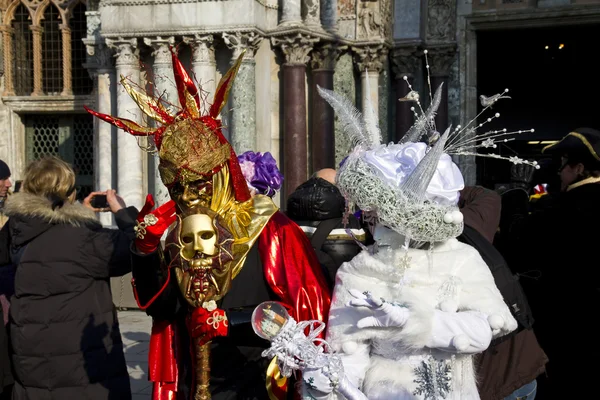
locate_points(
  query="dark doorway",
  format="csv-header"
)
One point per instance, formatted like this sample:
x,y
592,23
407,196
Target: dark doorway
x,y
554,86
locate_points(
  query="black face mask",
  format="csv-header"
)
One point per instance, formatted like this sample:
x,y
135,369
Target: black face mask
x,y
316,200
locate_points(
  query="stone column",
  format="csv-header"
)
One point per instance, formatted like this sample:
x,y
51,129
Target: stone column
x,y
204,64
369,61
129,154
440,60
164,86
405,63
66,50
323,134
291,12
102,72
37,60
295,164
7,33
242,128
329,15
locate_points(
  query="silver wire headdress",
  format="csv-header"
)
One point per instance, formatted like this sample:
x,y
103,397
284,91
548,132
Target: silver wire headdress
x,y
405,207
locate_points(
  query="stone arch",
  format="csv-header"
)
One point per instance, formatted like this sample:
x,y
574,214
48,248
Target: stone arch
x,y
39,12
9,14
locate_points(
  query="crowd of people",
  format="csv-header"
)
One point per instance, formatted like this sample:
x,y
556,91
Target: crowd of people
x,y
429,289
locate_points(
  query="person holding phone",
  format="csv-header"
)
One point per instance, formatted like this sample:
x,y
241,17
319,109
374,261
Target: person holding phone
x,y
64,331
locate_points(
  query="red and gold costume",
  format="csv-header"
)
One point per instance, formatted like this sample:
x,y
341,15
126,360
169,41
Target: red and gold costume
x,y
226,253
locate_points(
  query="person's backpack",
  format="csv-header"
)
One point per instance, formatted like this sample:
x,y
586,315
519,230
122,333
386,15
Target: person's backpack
x,y
317,240
508,283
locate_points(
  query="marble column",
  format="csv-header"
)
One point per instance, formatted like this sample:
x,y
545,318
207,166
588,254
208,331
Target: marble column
x,y
204,64
296,50
323,63
103,73
164,86
130,175
242,127
38,89
369,61
405,63
329,15
66,61
440,60
7,35
291,12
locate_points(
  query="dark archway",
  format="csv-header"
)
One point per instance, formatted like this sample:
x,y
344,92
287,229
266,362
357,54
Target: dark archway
x,y
554,83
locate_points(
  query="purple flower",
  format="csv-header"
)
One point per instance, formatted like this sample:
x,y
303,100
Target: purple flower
x,y
261,172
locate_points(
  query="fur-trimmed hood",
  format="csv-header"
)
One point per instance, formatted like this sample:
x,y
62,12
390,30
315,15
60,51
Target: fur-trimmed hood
x,y
32,215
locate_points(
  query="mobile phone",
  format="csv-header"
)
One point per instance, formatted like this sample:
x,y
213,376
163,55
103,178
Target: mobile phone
x,y
17,186
99,201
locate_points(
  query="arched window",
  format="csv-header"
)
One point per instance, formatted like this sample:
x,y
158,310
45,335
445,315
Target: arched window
x,y
22,62
82,83
52,63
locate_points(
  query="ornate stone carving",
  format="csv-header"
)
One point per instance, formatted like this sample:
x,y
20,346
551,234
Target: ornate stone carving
x,y
100,57
326,56
295,48
126,51
440,59
312,15
239,42
386,12
441,20
160,49
93,24
203,50
405,61
370,58
369,20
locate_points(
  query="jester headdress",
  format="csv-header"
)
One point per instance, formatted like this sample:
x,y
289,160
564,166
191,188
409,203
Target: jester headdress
x,y
191,146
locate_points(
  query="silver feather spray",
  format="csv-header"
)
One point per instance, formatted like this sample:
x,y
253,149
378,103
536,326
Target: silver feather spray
x,y
349,117
426,121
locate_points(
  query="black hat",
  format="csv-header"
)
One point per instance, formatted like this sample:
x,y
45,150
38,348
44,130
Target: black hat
x,y
4,171
582,143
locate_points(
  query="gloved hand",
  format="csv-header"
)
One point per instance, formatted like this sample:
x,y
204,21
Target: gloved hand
x,y
317,383
384,314
521,176
152,224
208,322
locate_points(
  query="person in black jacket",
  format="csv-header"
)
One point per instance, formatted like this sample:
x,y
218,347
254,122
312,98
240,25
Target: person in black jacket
x,y
64,331
318,207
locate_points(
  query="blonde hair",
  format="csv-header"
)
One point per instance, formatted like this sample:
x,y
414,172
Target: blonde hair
x,y
50,177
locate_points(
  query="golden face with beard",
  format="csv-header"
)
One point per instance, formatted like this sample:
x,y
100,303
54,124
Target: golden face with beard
x,y
202,256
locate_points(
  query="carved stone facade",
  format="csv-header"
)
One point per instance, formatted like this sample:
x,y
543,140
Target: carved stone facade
x,y
308,40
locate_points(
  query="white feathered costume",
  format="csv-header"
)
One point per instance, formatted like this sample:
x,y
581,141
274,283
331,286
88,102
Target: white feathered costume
x,y
443,305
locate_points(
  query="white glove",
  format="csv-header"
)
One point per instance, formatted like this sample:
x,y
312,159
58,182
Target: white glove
x,y
316,383
385,314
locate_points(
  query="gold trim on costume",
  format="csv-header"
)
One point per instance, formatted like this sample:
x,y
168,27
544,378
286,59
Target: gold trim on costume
x,y
274,374
586,181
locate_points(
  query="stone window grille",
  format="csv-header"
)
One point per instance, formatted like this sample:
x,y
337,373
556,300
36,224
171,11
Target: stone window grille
x,y
43,55
68,136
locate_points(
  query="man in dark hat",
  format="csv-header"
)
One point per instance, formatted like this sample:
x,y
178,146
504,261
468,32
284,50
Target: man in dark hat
x,y
562,243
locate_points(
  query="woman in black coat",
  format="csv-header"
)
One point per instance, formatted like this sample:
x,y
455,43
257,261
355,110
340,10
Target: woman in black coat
x,y
64,331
